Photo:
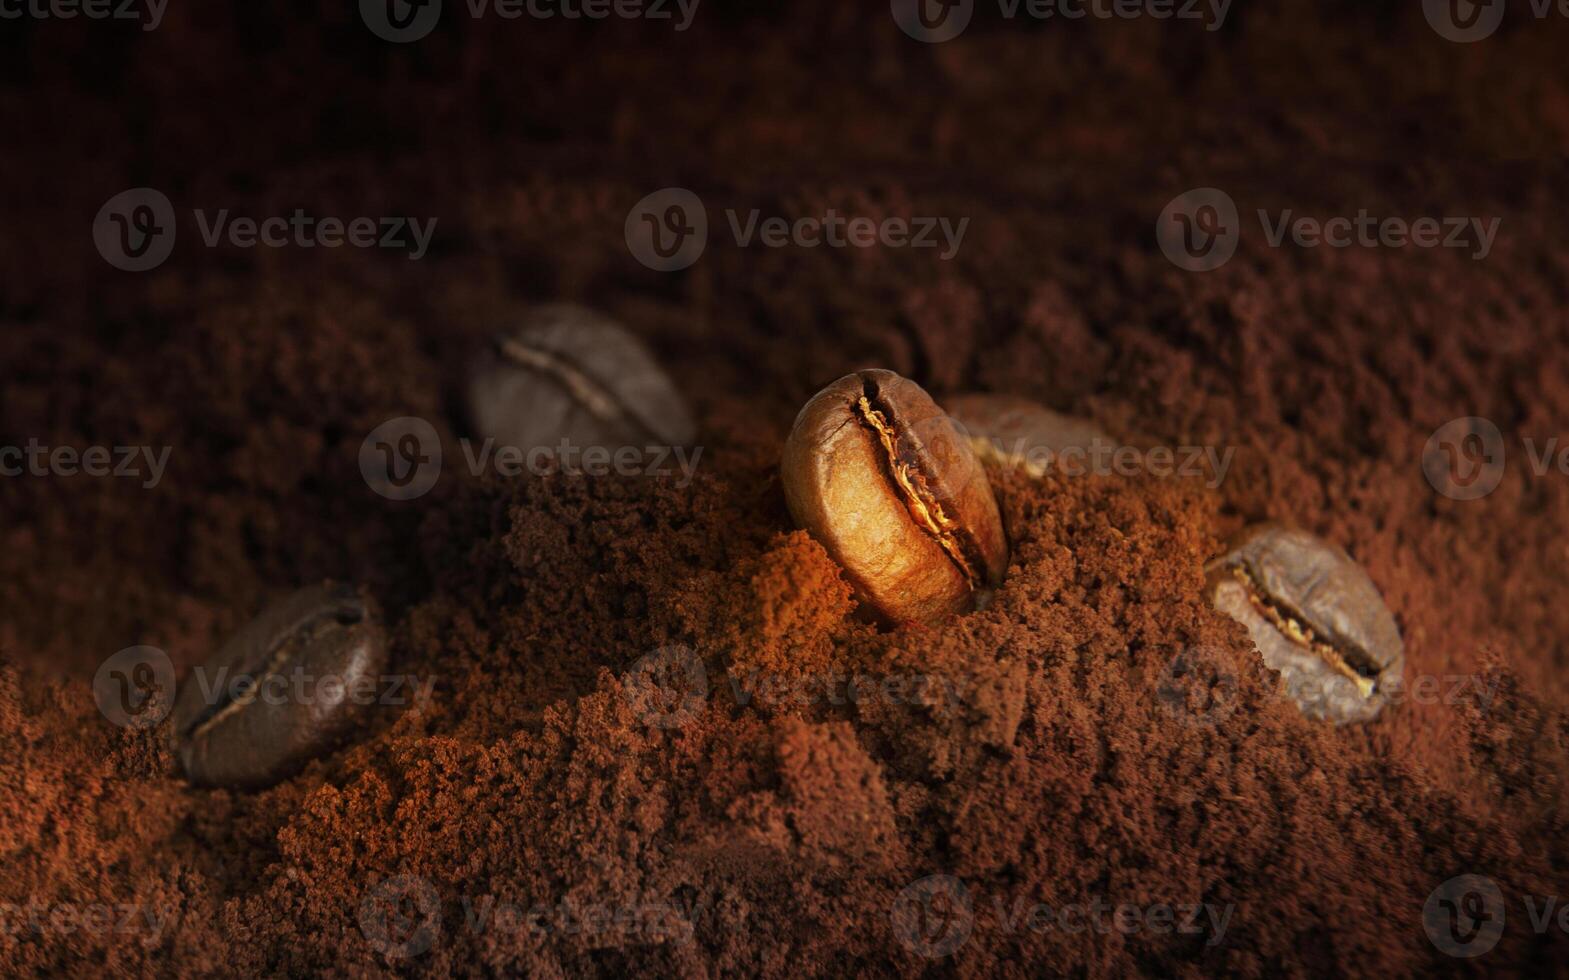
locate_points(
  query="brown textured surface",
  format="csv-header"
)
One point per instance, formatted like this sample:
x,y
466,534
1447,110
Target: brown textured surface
x,y
1061,775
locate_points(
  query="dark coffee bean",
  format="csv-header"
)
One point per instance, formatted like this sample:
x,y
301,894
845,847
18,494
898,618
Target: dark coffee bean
x,y
1015,431
568,373
287,687
877,473
1315,617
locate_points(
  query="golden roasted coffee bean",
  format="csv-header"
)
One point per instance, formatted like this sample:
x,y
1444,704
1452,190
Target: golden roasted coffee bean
x,y
886,481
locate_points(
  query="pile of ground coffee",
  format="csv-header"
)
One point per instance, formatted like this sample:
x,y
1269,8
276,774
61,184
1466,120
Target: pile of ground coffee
x,y
1093,774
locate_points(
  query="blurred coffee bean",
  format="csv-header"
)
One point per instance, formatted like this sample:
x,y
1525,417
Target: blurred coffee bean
x,y
886,482
1015,431
1315,617
289,686
570,374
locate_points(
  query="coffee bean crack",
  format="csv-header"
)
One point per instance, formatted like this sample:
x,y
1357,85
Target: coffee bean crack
x,y
1352,665
227,703
588,392
919,498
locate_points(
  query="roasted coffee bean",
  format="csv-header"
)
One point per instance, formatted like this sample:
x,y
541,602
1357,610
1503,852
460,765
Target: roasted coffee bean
x,y
878,474
1015,431
1315,617
568,374
289,686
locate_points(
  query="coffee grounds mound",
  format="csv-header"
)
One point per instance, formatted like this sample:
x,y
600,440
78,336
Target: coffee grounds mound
x,y
1096,733
647,727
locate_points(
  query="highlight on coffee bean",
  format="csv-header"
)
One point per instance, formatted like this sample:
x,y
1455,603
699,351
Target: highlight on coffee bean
x,y
886,482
